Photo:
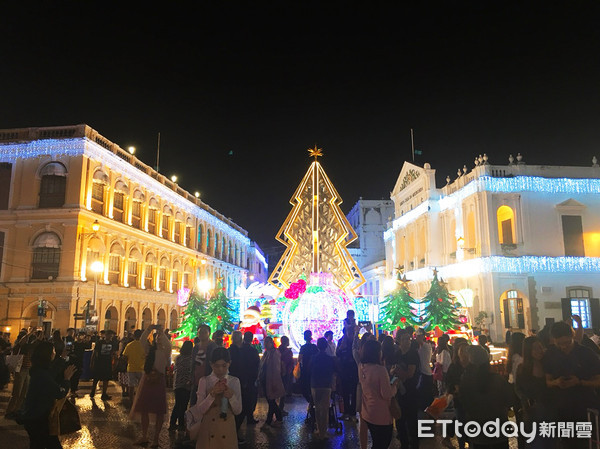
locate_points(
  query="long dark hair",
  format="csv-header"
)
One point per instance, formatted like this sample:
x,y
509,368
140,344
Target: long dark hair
x,y
527,365
442,344
516,347
151,357
186,348
371,352
41,357
460,341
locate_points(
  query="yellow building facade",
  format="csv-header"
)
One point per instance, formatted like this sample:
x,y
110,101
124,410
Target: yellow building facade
x,y
87,228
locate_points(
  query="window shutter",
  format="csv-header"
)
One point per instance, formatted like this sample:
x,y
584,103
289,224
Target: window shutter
x,y
595,312
566,308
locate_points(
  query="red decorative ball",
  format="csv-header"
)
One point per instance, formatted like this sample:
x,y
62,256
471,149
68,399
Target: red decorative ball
x,y
219,317
403,320
440,299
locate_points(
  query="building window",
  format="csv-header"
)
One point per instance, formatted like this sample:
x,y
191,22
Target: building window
x,y
174,280
506,225
152,221
114,269
148,277
136,214
5,179
186,280
1,252
580,305
162,280
200,238
46,256
118,206
98,197
177,232
188,236
514,315
165,226
132,273
53,185
573,235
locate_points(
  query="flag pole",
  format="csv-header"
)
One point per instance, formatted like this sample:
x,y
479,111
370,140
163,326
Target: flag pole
x,y
412,144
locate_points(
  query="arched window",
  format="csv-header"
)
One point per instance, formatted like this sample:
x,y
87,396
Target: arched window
x,y
506,225
162,274
114,263
149,271
200,235
121,190
208,248
152,214
165,222
136,209
99,183
53,185
133,265
46,256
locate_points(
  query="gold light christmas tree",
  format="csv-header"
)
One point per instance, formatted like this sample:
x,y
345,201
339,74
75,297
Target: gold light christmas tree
x,y
316,234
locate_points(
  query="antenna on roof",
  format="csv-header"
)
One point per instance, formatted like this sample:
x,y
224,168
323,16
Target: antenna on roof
x,y
158,151
412,144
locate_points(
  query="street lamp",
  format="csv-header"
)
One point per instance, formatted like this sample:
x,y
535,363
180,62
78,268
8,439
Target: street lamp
x,y
131,150
174,178
96,267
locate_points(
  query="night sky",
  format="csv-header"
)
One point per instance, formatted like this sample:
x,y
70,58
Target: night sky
x,y
238,93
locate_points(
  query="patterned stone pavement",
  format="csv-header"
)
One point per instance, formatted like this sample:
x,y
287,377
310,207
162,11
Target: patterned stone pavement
x,y
105,424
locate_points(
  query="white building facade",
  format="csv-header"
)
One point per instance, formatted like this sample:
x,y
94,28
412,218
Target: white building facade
x,y
369,220
519,242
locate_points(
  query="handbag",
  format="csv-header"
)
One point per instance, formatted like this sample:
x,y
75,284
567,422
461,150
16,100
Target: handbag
x,y
395,409
121,366
14,362
64,418
297,371
438,372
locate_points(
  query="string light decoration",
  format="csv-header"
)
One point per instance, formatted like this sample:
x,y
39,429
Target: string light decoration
x,y
516,184
316,234
82,146
318,311
511,265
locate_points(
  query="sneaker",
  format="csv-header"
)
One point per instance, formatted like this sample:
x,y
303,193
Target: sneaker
x,y
241,441
252,421
105,397
284,413
276,424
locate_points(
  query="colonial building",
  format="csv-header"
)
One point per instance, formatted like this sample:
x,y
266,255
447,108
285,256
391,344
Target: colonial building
x,y
87,229
519,242
369,219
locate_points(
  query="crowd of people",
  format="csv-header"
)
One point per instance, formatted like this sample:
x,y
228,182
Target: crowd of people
x,y
553,376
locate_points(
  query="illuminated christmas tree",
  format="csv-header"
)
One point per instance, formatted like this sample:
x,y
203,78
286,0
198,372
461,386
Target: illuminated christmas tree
x,y
397,309
193,316
220,312
316,234
440,307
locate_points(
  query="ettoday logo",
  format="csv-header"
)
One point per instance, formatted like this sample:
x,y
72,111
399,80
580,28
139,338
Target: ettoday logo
x,y
507,429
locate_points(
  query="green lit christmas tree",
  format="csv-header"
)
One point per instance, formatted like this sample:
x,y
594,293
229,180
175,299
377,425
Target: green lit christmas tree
x,y
193,316
219,313
397,307
440,307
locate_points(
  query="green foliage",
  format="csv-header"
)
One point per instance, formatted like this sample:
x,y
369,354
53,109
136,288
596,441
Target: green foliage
x,y
194,316
480,318
220,312
440,309
397,308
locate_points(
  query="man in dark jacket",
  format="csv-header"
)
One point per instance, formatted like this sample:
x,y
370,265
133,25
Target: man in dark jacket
x,y
250,361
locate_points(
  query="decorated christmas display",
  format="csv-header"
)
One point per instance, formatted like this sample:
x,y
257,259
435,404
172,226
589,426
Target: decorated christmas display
x,y
220,313
316,272
440,307
217,312
399,308
193,316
